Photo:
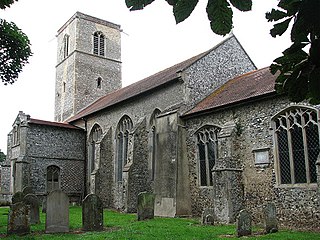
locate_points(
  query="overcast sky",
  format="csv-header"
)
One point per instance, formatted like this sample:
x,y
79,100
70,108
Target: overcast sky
x,y
151,41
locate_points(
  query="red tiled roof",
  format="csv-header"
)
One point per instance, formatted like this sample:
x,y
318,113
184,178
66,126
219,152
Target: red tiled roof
x,y
54,124
135,89
245,87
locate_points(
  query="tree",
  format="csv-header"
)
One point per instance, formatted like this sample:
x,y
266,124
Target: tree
x,y
298,70
14,48
2,156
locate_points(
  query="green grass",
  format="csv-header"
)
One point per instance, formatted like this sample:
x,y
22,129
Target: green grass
x,y
126,226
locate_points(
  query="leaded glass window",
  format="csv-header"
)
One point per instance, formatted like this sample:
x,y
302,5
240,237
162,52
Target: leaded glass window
x,y
123,130
99,44
297,145
53,178
94,137
207,144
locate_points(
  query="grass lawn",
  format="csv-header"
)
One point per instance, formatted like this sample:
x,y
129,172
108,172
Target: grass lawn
x,y
126,226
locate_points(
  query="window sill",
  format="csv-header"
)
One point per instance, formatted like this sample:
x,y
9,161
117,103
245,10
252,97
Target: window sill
x,y
312,186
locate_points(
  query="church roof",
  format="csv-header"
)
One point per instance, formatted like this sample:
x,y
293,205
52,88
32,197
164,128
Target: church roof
x,y
53,124
143,86
246,87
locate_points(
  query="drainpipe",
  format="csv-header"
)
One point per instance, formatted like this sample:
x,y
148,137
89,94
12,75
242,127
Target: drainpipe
x,y
85,160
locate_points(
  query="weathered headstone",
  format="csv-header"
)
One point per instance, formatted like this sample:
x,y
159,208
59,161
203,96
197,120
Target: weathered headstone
x,y
207,216
27,190
18,219
271,223
17,197
44,204
33,201
57,217
145,209
92,213
244,220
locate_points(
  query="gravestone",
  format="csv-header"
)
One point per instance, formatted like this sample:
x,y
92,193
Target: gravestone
x,y
145,209
207,217
92,213
27,190
44,204
18,219
17,197
57,217
270,214
244,223
33,201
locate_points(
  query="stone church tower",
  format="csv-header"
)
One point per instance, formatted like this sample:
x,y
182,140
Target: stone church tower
x,y
88,63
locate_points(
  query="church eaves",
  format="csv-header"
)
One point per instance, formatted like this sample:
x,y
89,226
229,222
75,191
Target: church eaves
x,y
247,87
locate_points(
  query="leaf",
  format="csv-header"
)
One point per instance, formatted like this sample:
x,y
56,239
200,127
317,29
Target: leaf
x,y
220,15
172,2
314,86
6,3
291,6
295,47
137,4
242,5
275,15
183,9
280,28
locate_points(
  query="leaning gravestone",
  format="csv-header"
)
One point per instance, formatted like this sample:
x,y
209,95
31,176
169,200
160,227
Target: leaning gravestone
x,y
18,219
17,197
57,217
208,216
271,223
92,213
145,208
33,202
27,190
244,223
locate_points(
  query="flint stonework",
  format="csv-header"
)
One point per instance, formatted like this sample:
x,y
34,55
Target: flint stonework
x,y
271,223
33,202
145,209
92,213
57,217
18,219
244,221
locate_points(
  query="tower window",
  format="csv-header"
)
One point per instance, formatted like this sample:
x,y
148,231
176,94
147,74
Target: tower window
x,y
98,43
99,82
65,46
64,87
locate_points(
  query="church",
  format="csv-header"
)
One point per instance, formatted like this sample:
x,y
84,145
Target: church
x,y
208,132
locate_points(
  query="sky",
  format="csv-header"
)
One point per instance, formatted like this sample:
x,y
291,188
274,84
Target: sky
x,y
151,41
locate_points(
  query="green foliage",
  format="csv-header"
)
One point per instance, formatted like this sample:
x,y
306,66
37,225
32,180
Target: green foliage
x,y
6,3
2,156
299,71
125,226
14,51
219,12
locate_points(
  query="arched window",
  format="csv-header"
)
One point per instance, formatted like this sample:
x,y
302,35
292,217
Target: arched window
x,y
95,135
16,134
152,141
65,46
123,130
53,178
207,145
297,145
98,43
